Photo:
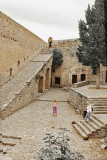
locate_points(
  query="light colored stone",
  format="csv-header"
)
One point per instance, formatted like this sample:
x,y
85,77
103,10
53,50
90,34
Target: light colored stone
x,y
104,146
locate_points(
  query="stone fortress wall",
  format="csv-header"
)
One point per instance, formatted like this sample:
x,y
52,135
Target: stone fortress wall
x,y
25,68
33,80
71,71
17,47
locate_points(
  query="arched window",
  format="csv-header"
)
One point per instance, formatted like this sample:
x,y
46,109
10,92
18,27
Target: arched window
x,y
10,71
18,63
47,84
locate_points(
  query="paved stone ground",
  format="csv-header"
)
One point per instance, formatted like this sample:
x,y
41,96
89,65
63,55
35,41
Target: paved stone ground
x,y
35,120
91,92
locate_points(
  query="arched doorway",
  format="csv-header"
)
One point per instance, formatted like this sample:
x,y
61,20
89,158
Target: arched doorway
x,y
40,85
47,83
50,40
50,44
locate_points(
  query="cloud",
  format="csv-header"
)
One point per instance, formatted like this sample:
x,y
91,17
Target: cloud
x,y
59,16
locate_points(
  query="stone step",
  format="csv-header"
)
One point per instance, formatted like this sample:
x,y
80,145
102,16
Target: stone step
x,y
87,125
96,127
0,138
13,137
84,128
98,99
9,141
103,108
99,104
2,157
80,131
100,112
1,154
97,122
1,147
7,148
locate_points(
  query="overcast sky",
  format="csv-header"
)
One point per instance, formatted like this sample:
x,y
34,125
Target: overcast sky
x,y
45,18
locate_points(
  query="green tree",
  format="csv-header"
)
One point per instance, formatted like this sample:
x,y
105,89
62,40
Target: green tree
x,y
57,58
92,52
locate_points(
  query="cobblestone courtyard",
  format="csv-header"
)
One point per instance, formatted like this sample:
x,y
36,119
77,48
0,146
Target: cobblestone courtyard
x,y
35,120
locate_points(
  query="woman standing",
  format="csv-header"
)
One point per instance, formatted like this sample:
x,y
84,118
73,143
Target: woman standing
x,y
89,110
55,107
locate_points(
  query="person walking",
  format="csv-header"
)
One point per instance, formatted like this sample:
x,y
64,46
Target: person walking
x,y
54,108
89,111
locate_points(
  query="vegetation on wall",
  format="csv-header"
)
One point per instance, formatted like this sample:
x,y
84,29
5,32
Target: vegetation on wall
x,y
92,52
57,58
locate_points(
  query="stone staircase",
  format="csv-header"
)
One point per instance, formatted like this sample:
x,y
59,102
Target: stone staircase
x,y
23,87
99,105
6,144
90,129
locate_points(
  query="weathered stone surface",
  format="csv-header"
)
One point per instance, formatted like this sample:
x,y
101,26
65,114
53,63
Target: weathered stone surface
x,y
104,146
35,120
18,46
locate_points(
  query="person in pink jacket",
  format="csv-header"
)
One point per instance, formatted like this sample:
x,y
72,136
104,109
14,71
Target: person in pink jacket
x,y
55,107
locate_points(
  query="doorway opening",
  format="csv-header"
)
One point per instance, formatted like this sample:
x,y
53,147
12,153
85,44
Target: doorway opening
x,y
106,77
40,86
50,44
74,79
47,79
83,77
57,80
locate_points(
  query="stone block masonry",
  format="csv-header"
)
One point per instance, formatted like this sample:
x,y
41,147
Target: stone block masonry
x,y
77,100
71,70
25,86
18,46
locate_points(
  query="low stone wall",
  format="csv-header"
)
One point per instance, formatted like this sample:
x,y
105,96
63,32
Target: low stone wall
x,y
80,84
83,83
102,132
21,99
77,100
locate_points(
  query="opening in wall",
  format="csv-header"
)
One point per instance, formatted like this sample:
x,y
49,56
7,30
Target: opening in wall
x,y
106,77
47,84
57,80
40,85
10,71
18,63
83,77
50,44
74,79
